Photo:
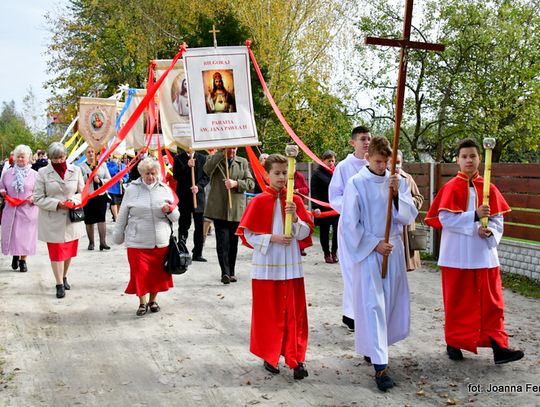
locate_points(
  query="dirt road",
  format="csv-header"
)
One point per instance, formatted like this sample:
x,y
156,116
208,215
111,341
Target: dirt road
x,y
89,349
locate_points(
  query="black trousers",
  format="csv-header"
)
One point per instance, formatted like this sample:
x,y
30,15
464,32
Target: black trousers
x,y
226,245
324,233
184,223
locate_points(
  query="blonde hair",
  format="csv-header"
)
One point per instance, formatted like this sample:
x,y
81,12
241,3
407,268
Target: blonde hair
x,y
22,149
148,164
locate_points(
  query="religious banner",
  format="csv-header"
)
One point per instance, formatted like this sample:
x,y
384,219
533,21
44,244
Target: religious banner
x,y
174,105
156,142
220,102
96,120
136,137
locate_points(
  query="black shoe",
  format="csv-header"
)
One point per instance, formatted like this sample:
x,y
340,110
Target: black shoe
x,y
91,246
22,266
154,307
142,310
15,262
270,368
367,359
504,355
454,353
300,371
225,279
233,279
383,380
349,323
66,284
60,292
198,258
104,247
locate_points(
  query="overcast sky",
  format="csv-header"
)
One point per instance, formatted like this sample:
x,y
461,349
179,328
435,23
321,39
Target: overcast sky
x,y
23,40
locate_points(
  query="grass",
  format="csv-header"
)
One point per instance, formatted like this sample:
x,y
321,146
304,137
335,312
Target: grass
x,y
522,285
5,377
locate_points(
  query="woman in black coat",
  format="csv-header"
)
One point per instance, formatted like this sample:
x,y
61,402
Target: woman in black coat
x,y
319,190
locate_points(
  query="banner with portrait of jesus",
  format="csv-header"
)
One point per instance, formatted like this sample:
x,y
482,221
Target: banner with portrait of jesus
x,y
173,105
220,102
97,117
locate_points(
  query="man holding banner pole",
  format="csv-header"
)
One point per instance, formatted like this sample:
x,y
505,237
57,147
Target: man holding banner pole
x,y
226,219
188,171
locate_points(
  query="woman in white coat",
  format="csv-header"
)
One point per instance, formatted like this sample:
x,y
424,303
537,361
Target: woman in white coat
x,y
56,184
144,224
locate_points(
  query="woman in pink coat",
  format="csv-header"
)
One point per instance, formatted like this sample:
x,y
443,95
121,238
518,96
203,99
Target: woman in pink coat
x,y
19,222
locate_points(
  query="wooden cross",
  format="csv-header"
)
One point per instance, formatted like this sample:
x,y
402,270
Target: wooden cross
x,y
405,43
214,32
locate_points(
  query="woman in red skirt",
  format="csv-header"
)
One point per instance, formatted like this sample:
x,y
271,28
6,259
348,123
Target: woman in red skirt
x,y
144,224
56,184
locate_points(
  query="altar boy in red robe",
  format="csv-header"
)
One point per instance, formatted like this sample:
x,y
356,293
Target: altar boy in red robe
x,y
471,280
279,323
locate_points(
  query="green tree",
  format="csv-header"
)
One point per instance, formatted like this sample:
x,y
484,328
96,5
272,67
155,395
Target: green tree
x,y
486,83
97,46
13,129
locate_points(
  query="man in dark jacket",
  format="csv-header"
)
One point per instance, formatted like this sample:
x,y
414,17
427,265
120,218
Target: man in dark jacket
x,y
183,164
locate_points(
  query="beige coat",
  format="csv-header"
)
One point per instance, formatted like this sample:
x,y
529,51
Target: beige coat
x,y
412,257
54,225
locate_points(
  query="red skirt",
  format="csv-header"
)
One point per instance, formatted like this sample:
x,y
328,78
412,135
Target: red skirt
x,y
147,273
279,324
63,251
473,308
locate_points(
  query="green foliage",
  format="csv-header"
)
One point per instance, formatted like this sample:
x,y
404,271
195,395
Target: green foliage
x,y
99,45
13,129
485,84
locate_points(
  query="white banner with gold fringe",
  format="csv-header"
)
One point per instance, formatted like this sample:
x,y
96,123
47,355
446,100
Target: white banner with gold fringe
x,y
97,117
136,137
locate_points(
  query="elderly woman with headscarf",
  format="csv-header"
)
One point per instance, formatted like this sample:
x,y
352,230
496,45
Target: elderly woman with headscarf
x,y
144,224
57,184
19,222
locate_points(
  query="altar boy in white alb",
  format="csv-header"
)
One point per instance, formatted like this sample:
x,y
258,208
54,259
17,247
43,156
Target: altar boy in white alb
x,y
346,169
381,306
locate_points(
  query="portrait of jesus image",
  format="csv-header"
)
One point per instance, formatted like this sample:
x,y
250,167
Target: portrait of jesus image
x,y
179,95
219,91
97,120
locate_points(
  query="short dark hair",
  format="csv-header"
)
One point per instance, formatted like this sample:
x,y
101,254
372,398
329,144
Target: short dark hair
x,y
274,159
358,130
328,154
467,143
380,145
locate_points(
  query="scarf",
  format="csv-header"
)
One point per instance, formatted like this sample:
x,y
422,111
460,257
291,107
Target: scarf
x,y
60,168
20,177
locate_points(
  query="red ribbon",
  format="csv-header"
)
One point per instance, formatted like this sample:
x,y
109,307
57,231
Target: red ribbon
x,y
15,201
258,170
279,115
149,97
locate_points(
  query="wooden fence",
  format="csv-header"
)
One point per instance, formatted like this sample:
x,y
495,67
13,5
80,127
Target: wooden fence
x,y
519,183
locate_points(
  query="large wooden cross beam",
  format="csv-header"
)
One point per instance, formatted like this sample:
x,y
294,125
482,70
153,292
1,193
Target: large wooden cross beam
x,y
404,43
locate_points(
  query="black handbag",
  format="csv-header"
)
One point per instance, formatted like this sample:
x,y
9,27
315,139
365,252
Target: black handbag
x,y
178,258
76,214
